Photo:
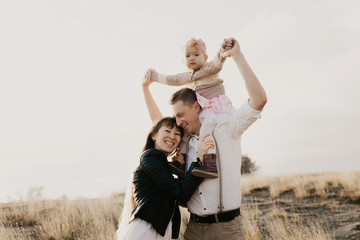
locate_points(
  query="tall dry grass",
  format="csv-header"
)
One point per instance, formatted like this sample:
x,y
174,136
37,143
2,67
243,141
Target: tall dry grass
x,y
280,225
90,219
35,218
304,185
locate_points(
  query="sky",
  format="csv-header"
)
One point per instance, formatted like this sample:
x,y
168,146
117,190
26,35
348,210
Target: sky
x,y
72,116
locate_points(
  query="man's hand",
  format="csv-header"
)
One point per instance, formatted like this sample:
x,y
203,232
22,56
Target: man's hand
x,y
178,157
234,51
227,44
204,146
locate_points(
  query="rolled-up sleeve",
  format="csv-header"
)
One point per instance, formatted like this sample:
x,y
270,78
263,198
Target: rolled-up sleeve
x,y
242,118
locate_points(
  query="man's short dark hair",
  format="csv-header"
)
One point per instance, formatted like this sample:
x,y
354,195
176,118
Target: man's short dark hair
x,y
187,95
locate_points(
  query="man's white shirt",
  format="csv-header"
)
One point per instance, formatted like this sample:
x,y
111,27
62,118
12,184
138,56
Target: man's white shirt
x,y
206,198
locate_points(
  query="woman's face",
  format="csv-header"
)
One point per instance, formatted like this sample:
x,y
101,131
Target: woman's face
x,y
167,139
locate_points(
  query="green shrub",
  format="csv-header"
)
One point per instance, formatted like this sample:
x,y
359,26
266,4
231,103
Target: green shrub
x,y
247,165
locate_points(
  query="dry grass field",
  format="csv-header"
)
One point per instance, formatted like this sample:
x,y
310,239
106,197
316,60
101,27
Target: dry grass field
x,y
311,206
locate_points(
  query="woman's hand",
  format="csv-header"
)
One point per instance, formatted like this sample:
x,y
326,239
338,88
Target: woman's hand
x,y
147,79
152,107
204,146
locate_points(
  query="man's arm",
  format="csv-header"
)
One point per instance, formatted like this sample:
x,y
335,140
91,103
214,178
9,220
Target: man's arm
x,y
152,107
257,94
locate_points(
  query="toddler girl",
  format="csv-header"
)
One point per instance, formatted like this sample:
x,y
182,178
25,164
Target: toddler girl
x,y
210,92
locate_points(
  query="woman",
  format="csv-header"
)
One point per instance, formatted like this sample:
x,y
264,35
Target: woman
x,y
156,193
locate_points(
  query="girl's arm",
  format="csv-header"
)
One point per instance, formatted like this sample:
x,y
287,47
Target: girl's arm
x,y
152,107
171,80
211,68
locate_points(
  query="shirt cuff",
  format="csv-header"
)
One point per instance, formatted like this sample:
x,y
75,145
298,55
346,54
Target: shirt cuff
x,y
250,110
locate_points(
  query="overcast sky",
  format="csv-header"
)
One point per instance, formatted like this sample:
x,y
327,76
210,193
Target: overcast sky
x,y
72,115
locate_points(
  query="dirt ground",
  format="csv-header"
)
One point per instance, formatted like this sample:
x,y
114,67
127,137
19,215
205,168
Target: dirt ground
x,y
341,217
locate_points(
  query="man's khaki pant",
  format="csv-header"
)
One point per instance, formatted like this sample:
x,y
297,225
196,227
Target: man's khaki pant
x,y
231,230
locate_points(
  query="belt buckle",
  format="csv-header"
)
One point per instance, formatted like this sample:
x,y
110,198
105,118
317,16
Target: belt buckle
x,y
206,215
197,218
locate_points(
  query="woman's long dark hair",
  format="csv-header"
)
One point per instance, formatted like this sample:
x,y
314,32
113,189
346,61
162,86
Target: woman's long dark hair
x,y
165,121
150,143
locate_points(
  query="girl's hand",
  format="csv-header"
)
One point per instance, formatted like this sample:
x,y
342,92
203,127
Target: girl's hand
x,y
147,79
178,157
234,50
204,146
226,45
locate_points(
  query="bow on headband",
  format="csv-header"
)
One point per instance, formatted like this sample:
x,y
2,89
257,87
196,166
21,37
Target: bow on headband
x,y
198,44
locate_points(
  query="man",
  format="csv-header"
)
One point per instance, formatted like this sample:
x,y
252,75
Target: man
x,y
215,206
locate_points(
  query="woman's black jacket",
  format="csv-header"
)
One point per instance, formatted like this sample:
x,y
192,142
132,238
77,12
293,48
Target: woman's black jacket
x,y
156,192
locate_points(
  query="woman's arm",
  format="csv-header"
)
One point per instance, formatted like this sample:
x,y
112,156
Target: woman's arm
x,y
152,107
152,163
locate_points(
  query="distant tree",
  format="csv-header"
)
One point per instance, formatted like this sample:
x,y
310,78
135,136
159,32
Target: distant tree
x,y
247,165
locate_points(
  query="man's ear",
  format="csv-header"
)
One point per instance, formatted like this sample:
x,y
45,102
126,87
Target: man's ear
x,y
197,106
206,57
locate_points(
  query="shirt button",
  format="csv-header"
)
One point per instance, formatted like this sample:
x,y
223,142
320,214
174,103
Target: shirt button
x,y
204,208
200,193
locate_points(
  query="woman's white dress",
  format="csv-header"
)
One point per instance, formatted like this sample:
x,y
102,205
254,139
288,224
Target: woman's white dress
x,y
139,229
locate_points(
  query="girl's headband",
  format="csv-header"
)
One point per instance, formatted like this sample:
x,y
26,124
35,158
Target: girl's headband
x,y
197,43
